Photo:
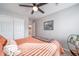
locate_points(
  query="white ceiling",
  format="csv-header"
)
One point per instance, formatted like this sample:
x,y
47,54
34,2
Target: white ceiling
x,y
48,9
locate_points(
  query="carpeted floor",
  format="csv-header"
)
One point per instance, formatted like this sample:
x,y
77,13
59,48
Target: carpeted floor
x,y
66,53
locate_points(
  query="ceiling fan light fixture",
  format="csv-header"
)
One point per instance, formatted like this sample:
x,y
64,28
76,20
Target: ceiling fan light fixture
x,y
35,8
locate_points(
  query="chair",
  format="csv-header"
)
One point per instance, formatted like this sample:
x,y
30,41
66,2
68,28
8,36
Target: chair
x,y
73,44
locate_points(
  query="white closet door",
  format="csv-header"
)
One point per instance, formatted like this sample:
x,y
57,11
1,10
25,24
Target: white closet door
x,y
6,28
18,28
11,27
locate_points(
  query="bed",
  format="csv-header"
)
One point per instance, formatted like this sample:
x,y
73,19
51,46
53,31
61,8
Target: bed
x,y
33,47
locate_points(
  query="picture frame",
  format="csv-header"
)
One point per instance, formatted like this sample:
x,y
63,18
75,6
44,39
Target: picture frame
x,y
48,25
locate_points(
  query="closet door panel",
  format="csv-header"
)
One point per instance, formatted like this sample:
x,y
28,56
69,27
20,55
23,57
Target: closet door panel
x,y
18,28
6,26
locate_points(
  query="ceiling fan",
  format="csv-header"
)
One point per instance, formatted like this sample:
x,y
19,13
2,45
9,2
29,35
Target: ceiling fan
x,y
35,7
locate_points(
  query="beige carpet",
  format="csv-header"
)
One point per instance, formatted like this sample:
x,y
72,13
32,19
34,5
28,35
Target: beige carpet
x,y
66,53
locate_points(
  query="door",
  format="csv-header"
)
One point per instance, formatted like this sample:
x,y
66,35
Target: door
x,y
33,29
18,28
6,26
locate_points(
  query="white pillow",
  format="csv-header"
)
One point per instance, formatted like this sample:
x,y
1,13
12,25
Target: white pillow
x,y
11,42
11,47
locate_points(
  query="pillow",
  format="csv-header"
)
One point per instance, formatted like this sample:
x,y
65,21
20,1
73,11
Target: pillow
x,y
11,47
11,42
10,50
3,40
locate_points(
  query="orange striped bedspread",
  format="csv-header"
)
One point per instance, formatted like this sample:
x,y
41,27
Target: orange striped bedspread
x,y
40,49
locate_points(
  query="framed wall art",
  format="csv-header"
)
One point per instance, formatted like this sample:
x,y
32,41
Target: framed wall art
x,y
48,25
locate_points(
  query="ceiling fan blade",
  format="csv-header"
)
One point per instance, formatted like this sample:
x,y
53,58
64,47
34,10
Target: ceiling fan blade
x,y
34,4
41,10
41,4
32,12
25,5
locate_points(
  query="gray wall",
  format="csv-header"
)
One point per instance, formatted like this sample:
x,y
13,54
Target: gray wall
x,y
66,22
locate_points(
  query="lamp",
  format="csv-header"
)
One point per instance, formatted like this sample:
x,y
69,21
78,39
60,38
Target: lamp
x,y
35,8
